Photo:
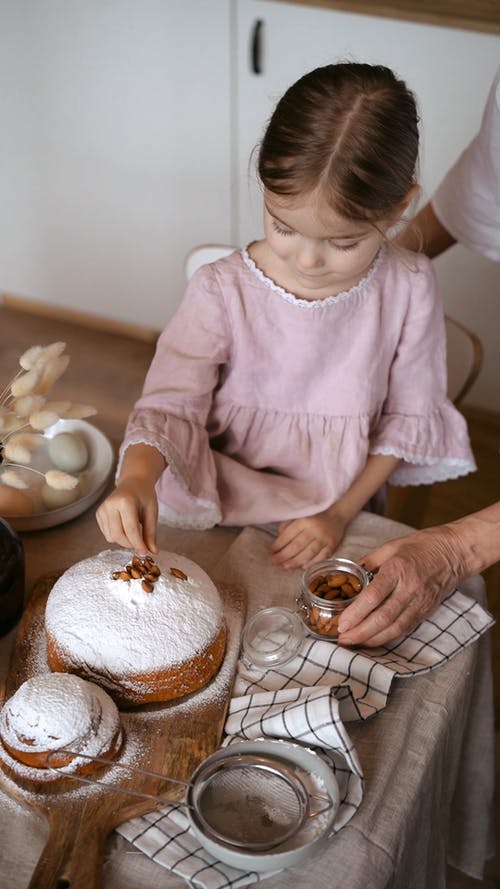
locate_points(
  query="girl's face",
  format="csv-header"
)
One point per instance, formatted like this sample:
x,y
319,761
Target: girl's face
x,y
316,253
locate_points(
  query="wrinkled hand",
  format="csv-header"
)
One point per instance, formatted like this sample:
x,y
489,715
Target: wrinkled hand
x,y
129,516
301,542
415,574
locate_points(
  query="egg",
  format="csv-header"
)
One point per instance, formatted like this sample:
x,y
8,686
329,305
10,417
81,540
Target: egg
x,y
14,502
53,498
68,452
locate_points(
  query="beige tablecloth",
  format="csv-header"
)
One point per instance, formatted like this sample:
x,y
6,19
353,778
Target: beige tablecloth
x,y
427,758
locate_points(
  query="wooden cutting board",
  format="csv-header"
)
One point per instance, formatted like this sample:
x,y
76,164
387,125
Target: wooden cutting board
x,y
170,739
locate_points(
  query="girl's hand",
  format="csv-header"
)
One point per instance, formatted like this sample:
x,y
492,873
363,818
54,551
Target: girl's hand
x,y
300,542
129,516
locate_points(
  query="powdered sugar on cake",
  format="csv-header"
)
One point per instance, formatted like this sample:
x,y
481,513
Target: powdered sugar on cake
x,y
176,619
60,722
53,712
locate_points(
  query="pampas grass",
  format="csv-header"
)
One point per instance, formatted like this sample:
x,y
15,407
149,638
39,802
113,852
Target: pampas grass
x,y
25,413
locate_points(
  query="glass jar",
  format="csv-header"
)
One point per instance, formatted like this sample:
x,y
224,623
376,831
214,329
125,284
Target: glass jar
x,y
11,577
327,588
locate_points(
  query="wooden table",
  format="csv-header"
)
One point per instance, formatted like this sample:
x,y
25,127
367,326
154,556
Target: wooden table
x,y
427,758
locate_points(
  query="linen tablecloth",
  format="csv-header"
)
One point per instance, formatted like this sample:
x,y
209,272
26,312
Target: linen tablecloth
x,y
307,700
426,757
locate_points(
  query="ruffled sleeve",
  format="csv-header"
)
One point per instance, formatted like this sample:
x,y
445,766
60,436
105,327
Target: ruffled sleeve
x,y
171,414
418,423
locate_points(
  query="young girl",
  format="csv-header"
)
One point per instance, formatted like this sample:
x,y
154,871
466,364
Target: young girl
x,y
301,373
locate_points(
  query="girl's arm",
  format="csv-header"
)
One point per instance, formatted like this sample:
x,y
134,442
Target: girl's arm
x,y
300,542
129,515
377,470
169,419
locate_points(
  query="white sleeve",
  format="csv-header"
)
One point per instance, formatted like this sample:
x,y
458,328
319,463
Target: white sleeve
x,y
467,202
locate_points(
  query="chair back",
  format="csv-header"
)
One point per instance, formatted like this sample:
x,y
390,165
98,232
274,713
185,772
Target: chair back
x,y
204,253
464,358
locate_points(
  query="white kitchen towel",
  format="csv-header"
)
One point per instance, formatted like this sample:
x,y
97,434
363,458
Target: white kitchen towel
x,y
313,719
307,700
361,678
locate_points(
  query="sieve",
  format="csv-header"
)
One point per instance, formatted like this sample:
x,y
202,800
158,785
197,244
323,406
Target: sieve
x,y
245,801
250,801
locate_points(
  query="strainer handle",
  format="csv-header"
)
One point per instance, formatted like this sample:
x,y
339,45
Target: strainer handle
x,y
317,812
112,787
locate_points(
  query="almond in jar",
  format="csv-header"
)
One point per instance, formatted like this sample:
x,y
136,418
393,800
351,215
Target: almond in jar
x,y
327,588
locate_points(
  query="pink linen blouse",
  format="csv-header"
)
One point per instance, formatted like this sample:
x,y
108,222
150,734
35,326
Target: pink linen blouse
x,y
266,406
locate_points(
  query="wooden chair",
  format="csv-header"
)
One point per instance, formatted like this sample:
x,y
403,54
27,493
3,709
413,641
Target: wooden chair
x,y
204,253
464,358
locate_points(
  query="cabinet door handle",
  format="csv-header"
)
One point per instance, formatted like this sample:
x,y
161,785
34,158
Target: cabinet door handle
x,y
256,47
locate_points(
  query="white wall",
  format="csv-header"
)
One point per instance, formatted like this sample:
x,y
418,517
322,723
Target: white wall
x,y
106,132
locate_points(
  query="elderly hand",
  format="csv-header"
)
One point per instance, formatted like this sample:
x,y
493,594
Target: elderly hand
x,y
414,575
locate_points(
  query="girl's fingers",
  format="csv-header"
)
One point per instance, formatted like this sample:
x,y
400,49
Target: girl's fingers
x,y
121,526
299,553
324,553
149,528
301,542
285,536
102,522
134,533
110,524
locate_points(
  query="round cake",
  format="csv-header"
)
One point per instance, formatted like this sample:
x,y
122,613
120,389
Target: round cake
x,y
55,723
146,630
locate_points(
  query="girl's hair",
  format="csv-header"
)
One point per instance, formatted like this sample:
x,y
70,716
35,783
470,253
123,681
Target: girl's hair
x,y
350,130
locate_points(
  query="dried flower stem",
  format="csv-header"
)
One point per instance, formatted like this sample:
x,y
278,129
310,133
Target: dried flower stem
x,y
41,366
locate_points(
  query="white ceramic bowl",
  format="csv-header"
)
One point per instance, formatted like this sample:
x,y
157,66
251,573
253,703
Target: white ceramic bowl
x,y
94,477
308,839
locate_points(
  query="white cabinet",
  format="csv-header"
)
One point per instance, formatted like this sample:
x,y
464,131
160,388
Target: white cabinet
x,y
449,70
115,150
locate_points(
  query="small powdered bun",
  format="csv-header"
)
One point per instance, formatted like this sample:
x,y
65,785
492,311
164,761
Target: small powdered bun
x,y
146,630
52,714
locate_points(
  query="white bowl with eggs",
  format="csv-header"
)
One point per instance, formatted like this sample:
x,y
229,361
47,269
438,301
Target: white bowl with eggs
x,y
85,452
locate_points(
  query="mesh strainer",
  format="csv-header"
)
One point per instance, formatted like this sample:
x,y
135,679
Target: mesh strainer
x,y
245,801
248,801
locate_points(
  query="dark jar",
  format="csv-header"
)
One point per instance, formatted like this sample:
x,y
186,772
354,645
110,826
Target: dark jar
x,y
11,577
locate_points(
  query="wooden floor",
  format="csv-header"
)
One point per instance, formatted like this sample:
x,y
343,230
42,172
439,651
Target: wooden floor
x,y
108,369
